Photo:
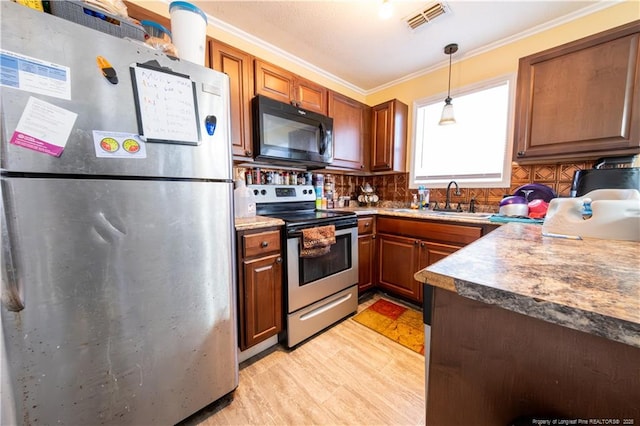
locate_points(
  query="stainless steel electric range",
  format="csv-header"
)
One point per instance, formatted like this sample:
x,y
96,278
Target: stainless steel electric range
x,y
319,290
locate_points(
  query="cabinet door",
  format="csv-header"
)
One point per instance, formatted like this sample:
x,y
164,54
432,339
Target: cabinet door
x,y
310,96
273,81
366,251
349,119
432,252
398,259
237,65
389,136
262,300
580,100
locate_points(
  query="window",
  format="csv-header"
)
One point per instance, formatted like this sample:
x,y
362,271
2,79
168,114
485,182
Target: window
x,y
476,151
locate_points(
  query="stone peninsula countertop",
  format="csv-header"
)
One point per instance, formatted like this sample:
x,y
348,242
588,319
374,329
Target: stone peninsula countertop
x,y
590,285
256,222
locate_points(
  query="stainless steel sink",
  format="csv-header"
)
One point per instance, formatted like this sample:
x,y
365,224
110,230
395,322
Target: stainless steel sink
x,y
461,215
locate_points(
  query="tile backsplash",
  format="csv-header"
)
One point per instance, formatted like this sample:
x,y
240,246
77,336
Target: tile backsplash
x,y
393,189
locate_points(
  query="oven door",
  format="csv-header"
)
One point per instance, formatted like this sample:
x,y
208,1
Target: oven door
x,y
312,279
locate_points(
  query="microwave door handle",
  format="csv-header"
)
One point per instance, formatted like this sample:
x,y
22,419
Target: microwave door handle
x,y
322,143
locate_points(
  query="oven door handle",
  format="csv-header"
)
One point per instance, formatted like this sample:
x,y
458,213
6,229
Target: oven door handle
x,y
339,232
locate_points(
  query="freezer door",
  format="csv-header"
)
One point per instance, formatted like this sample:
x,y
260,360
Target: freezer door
x,y
119,300
99,104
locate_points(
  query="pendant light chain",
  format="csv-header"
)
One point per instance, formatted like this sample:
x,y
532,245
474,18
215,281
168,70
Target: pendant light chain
x,y
447,111
449,87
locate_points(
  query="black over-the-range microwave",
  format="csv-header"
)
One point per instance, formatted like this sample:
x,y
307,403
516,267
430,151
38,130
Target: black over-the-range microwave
x,y
286,134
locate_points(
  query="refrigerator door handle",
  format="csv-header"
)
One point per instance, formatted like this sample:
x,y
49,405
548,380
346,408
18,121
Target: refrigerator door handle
x,y
11,297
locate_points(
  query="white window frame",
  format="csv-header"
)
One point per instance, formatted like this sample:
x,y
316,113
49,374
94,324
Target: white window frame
x,y
416,146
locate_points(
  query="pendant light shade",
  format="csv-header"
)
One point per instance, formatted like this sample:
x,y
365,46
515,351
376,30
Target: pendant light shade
x,y
386,10
447,112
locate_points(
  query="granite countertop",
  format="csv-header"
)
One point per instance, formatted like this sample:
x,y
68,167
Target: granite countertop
x,y
256,222
478,218
590,285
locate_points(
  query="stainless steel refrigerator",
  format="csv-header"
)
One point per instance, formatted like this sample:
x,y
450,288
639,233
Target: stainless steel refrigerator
x,y
118,282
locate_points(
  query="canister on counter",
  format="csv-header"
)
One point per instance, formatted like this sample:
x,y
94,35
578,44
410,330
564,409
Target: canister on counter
x,y
318,180
308,178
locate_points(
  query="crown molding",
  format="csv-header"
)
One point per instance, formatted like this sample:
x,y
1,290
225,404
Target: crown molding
x,y
596,7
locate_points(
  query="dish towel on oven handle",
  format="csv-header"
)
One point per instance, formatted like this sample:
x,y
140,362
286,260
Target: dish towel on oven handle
x,y
317,241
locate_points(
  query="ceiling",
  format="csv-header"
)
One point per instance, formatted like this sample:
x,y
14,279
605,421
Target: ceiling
x,y
347,41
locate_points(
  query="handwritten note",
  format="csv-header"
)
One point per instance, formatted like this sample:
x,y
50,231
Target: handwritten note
x,y
167,109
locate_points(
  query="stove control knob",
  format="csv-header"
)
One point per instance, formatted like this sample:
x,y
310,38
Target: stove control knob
x,y
255,192
263,192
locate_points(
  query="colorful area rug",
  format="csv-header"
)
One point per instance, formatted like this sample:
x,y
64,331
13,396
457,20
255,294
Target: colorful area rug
x,y
398,323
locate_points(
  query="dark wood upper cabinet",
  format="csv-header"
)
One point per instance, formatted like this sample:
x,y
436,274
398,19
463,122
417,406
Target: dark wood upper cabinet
x,y
580,100
350,131
238,66
389,136
284,86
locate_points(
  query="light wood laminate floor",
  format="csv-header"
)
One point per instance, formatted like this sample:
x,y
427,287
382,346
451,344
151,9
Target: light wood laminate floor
x,y
348,375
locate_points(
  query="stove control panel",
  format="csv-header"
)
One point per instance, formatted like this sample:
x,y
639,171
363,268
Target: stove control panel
x,y
282,193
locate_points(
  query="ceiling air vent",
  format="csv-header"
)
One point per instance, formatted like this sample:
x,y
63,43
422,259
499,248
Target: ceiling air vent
x,y
426,14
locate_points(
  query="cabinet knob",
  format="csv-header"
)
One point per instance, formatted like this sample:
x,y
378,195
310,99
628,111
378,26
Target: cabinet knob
x,y
362,166
373,237
247,153
521,153
366,224
279,260
422,244
416,242
264,244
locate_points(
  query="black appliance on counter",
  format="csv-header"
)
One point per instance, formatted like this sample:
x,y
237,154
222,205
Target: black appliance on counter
x,y
320,290
606,174
288,135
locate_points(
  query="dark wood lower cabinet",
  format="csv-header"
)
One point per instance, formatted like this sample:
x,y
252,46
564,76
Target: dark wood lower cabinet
x,y
490,365
259,286
366,253
405,246
398,260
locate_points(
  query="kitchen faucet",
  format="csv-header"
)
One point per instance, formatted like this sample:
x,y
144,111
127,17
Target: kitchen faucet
x,y
447,204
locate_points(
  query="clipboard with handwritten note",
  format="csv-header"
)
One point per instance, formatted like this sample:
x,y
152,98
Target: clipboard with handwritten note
x,y
166,105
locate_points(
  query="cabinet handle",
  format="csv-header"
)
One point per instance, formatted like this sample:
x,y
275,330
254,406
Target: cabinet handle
x,y
264,244
279,260
362,166
247,153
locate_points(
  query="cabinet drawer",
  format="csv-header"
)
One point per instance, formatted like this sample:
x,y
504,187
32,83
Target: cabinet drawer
x,y
365,225
434,231
261,243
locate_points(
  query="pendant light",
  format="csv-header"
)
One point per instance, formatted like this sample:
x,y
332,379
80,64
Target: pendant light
x,y
386,9
447,111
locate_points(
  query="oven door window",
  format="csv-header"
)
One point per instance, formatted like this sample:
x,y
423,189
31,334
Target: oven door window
x,y
337,260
